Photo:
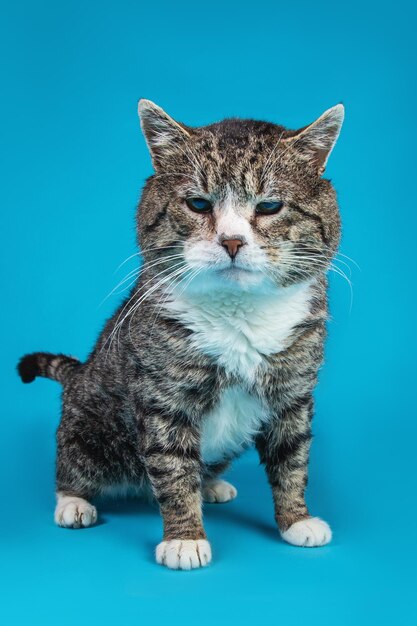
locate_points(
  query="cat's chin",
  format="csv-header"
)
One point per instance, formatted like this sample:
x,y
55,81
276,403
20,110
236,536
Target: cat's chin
x,y
241,276
229,279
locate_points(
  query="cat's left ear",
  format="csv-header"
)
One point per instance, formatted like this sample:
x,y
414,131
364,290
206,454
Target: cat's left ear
x,y
315,142
162,132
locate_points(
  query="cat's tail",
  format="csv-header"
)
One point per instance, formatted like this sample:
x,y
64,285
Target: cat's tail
x,y
56,366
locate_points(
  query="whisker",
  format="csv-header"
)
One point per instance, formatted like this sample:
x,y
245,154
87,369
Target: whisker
x,y
137,271
132,310
167,293
349,259
161,281
117,322
338,271
301,263
315,244
139,254
133,278
125,261
146,295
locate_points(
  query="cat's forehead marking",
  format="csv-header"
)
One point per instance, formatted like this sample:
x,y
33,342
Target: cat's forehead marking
x,y
235,155
225,172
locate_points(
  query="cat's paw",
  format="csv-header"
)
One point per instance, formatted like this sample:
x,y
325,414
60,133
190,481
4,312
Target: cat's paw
x,y
183,553
309,533
73,512
218,491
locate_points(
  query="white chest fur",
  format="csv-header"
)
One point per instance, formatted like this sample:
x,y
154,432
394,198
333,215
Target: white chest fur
x,y
231,425
239,328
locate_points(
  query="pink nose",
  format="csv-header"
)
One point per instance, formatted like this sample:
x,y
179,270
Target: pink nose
x,y
232,246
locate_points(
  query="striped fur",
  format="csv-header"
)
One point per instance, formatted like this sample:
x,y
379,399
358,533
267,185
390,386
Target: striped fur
x,y
209,353
58,367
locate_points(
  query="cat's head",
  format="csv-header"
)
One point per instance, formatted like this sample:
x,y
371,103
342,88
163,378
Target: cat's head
x,y
238,202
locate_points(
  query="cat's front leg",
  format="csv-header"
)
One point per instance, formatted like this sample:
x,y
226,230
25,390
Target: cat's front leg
x,y
284,448
172,461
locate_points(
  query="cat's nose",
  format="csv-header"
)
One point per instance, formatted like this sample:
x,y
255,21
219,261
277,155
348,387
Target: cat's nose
x,y
232,246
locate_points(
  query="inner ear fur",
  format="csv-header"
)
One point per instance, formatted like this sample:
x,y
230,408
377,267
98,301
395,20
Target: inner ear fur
x,y
316,141
162,132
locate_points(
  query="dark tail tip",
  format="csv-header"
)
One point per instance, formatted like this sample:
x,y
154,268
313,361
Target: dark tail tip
x,y
28,368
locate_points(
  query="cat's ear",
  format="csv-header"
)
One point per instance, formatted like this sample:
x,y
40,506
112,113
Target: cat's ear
x,y
162,133
316,141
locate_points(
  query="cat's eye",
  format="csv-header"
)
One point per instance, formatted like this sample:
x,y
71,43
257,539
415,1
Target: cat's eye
x,y
199,205
269,207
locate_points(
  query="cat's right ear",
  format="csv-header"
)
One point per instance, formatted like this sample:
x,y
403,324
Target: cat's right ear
x,y
162,133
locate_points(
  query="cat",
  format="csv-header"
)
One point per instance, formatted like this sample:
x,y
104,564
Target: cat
x,y
220,341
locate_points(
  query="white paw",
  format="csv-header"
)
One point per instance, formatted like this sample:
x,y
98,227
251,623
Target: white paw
x,y
73,512
183,553
218,491
310,532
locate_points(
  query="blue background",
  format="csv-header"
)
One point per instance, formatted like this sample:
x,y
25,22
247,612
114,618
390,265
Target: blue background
x,y
72,167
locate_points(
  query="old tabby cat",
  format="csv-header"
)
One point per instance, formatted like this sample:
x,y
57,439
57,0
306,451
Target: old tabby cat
x,y
220,341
